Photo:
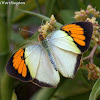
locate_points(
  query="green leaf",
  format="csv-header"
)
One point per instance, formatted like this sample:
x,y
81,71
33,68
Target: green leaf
x,y
67,16
41,16
83,96
20,41
95,90
75,86
17,38
29,5
96,4
30,20
70,4
3,37
49,7
44,94
96,60
3,8
38,6
14,96
7,84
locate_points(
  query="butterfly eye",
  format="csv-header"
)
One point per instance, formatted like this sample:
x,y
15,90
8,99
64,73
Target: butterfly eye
x,y
41,37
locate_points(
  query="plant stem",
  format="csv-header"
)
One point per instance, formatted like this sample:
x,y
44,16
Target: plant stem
x,y
6,81
91,54
7,87
41,16
4,48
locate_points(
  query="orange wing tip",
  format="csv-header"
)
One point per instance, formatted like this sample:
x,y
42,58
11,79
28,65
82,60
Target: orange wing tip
x,y
81,37
18,52
73,28
17,58
80,42
19,63
23,73
20,68
88,30
81,32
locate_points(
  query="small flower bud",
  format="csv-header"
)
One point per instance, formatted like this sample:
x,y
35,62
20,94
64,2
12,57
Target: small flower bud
x,y
89,7
77,17
82,11
97,14
92,10
77,12
96,39
52,20
87,11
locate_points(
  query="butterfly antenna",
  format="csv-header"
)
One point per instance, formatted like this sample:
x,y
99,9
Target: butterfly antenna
x,y
42,21
26,30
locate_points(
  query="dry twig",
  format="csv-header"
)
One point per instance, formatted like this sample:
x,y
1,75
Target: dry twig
x,y
91,54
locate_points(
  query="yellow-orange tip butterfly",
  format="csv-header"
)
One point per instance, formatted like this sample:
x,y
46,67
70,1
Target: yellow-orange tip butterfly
x,y
60,52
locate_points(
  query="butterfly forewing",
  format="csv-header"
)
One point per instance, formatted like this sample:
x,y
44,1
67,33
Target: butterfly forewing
x,y
17,67
38,66
81,32
32,55
68,44
62,40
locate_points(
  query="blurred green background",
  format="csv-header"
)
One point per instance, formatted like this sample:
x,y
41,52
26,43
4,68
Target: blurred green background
x,y
12,38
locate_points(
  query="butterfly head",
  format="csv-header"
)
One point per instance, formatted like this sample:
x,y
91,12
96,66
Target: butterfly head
x,y
41,37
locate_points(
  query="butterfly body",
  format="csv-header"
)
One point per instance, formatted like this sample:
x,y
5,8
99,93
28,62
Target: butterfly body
x,y
46,46
58,52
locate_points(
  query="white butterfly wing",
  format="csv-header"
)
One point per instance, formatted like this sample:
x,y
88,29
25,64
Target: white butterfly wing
x,y
32,58
62,40
67,62
46,73
67,54
40,67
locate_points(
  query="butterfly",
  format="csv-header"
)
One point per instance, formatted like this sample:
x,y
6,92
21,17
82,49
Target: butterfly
x,y
59,52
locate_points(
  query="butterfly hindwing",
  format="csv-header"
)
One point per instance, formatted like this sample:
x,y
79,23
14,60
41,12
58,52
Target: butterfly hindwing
x,y
40,68
46,75
67,62
81,33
